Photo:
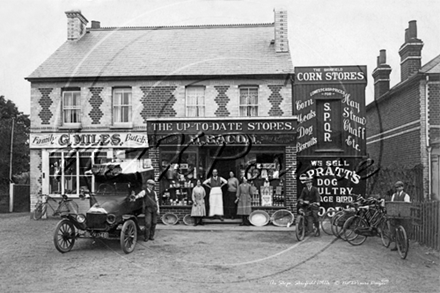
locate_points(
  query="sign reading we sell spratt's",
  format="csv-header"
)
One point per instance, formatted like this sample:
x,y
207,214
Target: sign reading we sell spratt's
x,y
83,140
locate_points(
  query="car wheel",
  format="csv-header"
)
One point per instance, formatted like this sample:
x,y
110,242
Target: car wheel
x,y
64,236
128,236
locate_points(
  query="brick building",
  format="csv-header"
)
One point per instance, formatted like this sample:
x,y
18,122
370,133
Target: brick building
x,y
403,133
131,93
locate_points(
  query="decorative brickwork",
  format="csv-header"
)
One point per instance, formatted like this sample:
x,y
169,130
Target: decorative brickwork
x,y
96,102
275,99
222,100
45,103
434,109
158,101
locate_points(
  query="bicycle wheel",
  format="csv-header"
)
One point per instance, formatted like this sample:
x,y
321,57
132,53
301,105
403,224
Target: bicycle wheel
x,y
40,210
385,233
338,224
351,229
326,223
67,206
64,236
402,242
300,228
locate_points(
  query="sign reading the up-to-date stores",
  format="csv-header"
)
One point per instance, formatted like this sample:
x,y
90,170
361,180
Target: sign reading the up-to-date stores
x,y
209,131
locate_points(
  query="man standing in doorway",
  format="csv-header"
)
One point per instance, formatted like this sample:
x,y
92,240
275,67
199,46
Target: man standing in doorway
x,y
215,183
150,208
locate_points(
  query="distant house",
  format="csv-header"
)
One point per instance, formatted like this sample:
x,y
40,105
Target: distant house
x,y
115,93
403,133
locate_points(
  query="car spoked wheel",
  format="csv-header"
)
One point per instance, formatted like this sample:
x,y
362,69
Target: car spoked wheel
x,y
128,236
64,236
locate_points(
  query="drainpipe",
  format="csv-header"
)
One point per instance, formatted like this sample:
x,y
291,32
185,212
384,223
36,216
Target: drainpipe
x,y
428,147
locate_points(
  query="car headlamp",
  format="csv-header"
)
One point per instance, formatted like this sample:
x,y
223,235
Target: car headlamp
x,y
111,219
80,218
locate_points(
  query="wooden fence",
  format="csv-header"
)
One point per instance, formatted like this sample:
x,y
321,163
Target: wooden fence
x,y
425,224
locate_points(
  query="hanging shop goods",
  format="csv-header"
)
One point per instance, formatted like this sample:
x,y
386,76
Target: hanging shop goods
x,y
253,147
331,135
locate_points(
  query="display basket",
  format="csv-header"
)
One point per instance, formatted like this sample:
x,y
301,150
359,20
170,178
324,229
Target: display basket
x,y
398,209
170,219
188,220
282,218
259,218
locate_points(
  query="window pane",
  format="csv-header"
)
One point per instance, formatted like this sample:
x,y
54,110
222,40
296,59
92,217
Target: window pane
x,y
195,101
71,106
122,105
249,101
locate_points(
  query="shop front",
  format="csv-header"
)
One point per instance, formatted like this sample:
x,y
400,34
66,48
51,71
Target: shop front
x,y
262,149
67,159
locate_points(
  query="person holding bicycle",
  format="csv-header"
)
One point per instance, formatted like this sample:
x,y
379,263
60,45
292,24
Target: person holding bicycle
x,y
310,195
400,195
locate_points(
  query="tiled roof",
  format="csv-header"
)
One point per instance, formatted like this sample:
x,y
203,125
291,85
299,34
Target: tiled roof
x,y
164,51
432,66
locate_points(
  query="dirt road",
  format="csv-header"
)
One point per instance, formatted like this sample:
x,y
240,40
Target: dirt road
x,y
207,261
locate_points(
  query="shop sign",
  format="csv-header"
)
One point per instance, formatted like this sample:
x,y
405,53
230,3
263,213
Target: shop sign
x,y
222,139
339,181
214,127
331,116
84,140
333,74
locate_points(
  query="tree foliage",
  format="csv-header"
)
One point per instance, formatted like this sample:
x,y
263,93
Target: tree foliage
x,y
11,118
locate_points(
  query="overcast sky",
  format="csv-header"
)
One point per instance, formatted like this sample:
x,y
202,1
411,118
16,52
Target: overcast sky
x,y
321,32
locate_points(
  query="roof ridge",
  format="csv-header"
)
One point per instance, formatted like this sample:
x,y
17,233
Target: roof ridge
x,y
181,26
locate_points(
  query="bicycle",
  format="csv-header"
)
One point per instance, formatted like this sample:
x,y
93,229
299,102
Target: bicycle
x,y
65,205
302,221
335,223
369,221
397,211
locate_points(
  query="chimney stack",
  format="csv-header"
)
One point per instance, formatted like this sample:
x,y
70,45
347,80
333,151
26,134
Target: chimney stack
x,y
96,24
76,25
381,75
281,41
410,52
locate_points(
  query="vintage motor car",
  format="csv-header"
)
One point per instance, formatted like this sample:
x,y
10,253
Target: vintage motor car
x,y
113,214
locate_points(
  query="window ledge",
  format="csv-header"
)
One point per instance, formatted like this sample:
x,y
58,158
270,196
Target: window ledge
x,y
70,126
122,125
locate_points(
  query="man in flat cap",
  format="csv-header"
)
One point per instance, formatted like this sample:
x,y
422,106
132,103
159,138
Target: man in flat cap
x,y
400,195
150,208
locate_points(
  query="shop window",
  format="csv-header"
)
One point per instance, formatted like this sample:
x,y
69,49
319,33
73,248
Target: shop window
x,y
179,177
263,172
249,101
72,107
122,106
195,101
68,171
